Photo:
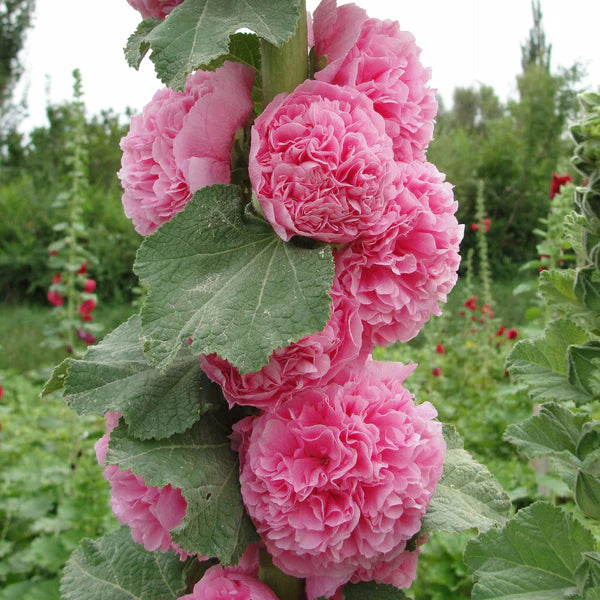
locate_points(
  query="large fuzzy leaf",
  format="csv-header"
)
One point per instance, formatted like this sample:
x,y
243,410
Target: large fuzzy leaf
x,y
114,376
201,463
117,568
229,284
541,363
467,495
197,32
534,557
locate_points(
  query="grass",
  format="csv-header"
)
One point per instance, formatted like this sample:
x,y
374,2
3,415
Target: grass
x,y
21,334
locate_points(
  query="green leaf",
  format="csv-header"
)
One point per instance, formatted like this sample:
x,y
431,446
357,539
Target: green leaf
x,y
534,557
541,363
114,376
118,568
244,48
371,591
554,431
583,367
57,379
229,283
201,463
587,494
587,288
556,287
138,45
587,574
197,31
467,495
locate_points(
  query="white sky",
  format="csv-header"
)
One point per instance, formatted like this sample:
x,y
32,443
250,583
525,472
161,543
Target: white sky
x,y
465,42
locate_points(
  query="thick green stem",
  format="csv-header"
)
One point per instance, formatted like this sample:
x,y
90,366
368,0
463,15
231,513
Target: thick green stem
x,y
283,69
285,586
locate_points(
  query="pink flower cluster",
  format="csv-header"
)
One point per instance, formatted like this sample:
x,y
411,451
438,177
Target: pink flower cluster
x,y
339,465
182,142
150,512
338,478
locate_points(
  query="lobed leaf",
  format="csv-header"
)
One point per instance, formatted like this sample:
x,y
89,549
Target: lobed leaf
x,y
201,463
114,376
541,363
197,32
467,495
118,568
534,557
554,431
138,45
229,284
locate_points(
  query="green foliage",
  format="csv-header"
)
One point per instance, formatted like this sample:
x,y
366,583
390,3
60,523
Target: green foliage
x,y
15,20
467,495
543,553
118,568
535,556
51,490
114,376
234,287
197,33
513,148
201,463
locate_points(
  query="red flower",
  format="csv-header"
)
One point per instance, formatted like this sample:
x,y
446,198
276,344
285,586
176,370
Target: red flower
x,y
440,349
83,268
500,331
542,256
53,252
86,336
89,286
462,313
557,183
87,306
473,226
55,298
473,318
512,334
1,392
437,371
542,268
56,278
486,223
506,373
86,318
471,303
486,309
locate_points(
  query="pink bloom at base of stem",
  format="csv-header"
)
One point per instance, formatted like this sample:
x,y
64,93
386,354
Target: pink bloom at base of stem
x,y
400,277
338,478
89,286
226,583
182,142
383,63
55,298
310,362
321,164
154,9
149,512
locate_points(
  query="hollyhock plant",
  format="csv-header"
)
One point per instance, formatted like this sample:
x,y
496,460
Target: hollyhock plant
x,y
382,61
150,512
310,362
338,478
182,142
154,9
400,277
321,164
